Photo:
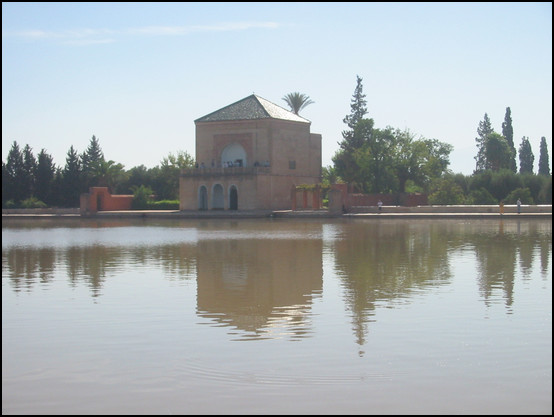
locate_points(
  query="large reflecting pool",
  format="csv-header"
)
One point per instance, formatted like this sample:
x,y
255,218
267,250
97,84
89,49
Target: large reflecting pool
x,y
274,316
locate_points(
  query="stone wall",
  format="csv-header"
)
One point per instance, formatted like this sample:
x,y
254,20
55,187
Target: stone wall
x,y
100,199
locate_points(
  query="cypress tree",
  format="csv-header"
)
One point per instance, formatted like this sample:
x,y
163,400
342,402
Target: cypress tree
x,y
483,131
544,164
526,157
508,133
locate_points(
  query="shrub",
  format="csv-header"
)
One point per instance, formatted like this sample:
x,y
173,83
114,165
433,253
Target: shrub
x,y
503,182
445,191
33,202
534,183
524,194
163,205
142,197
481,196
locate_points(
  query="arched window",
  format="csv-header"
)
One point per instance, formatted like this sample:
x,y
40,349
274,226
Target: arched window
x,y
217,197
235,154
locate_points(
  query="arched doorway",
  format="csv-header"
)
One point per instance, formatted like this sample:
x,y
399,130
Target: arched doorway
x,y
203,198
233,198
234,153
217,197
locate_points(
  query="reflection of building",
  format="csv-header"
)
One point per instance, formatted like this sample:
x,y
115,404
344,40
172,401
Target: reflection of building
x,y
259,285
250,155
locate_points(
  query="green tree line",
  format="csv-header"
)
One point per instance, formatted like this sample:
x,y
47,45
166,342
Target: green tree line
x,y
373,160
29,181
392,160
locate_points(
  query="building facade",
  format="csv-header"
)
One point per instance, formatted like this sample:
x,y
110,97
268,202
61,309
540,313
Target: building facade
x,y
250,155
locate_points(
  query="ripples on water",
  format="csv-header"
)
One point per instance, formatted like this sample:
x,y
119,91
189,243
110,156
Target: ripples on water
x,y
340,317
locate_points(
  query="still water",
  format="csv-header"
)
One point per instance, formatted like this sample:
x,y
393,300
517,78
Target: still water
x,y
274,316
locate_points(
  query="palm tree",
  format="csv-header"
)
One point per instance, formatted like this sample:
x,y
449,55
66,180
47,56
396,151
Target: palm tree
x,y
297,101
108,174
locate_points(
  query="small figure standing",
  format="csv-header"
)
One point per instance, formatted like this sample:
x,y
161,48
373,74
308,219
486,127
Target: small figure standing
x,y
501,207
380,205
518,206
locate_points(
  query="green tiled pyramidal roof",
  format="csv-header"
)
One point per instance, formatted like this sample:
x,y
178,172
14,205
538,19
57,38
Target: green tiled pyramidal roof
x,y
251,108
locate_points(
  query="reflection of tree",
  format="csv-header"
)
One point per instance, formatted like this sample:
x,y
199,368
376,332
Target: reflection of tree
x,y
90,265
383,262
546,253
26,268
496,259
260,286
262,281
542,234
93,264
497,249
176,261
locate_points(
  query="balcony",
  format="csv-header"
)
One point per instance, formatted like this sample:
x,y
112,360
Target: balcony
x,y
230,171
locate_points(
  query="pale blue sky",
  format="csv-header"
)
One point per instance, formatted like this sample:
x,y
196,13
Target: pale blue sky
x,y
137,75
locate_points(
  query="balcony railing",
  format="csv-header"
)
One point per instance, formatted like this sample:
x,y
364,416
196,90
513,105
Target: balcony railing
x,y
230,171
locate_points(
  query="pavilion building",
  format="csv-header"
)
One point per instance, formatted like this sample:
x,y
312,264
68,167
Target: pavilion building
x,y
250,155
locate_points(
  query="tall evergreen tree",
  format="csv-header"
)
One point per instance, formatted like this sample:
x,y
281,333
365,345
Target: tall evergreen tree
x,y
45,178
15,174
358,107
58,197
526,157
91,161
508,133
5,184
483,131
72,179
29,170
544,164
383,160
359,133
93,154
354,138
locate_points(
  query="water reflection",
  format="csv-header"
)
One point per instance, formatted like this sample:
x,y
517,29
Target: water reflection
x,y
259,286
508,252
383,263
92,265
260,279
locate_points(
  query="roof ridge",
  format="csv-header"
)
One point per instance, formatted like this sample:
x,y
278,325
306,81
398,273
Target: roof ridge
x,y
281,108
252,107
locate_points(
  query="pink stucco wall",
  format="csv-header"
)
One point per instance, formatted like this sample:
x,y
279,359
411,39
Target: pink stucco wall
x,y
100,199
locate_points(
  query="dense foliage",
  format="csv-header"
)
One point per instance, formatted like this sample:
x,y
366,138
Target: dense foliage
x,y
385,160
